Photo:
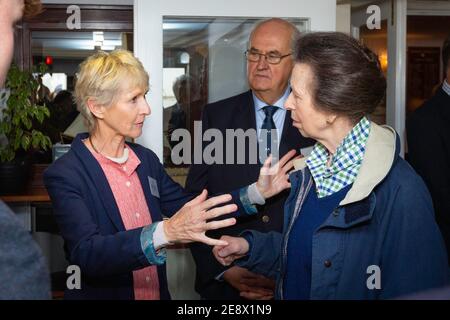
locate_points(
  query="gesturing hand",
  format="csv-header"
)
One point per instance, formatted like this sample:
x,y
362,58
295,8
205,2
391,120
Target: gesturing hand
x,y
274,179
189,224
235,248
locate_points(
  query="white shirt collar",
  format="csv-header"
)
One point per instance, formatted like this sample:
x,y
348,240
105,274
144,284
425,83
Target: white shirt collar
x,y
259,104
122,159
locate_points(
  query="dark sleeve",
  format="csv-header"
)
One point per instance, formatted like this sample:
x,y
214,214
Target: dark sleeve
x,y
207,269
263,259
264,253
427,154
413,257
95,254
173,196
24,273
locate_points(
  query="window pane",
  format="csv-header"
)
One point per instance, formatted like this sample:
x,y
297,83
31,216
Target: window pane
x,y
63,51
203,62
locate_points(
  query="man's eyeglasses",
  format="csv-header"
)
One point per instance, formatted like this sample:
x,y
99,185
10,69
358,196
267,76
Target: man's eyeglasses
x,y
271,58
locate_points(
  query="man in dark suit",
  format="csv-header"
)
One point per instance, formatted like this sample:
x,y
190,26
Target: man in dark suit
x,y
23,270
269,68
428,131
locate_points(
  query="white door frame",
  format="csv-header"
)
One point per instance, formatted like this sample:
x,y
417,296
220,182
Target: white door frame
x,y
396,79
148,38
397,52
396,12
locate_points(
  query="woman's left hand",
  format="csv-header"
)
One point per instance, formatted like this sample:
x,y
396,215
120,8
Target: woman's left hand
x,y
274,179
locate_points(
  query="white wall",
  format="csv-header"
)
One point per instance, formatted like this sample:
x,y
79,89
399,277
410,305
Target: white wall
x,y
148,36
343,18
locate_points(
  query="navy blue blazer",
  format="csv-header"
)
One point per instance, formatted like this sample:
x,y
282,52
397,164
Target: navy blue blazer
x,y
91,225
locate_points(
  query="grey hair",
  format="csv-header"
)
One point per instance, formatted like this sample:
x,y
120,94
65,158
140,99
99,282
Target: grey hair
x,y
295,32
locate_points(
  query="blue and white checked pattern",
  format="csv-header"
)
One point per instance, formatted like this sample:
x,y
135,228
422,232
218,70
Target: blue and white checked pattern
x,y
345,163
446,87
157,257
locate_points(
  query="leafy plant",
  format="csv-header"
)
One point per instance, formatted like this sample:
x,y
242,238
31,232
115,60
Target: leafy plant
x,y
22,110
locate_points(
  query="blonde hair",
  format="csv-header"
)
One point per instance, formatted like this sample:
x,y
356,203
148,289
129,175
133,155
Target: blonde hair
x,y
103,77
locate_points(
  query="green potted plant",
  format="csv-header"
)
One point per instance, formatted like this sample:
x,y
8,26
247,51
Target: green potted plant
x,y
17,119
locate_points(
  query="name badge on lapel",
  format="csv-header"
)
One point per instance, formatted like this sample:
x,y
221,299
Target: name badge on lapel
x,y
153,187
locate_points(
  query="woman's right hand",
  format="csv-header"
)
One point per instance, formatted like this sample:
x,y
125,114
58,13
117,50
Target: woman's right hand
x,y
189,224
236,248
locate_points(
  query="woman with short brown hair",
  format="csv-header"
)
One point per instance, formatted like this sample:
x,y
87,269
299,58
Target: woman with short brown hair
x,y
359,222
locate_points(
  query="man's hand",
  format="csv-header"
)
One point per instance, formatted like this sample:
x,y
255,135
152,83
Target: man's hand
x,y
274,179
251,286
234,248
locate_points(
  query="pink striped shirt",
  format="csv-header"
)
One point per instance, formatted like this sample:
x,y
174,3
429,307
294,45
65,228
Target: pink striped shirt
x,y
127,190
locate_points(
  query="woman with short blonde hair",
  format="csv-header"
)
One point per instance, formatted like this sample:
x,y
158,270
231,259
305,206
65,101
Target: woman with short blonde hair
x,y
101,80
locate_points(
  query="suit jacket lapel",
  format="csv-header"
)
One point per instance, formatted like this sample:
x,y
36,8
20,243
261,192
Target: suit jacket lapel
x,y
445,105
144,176
99,180
247,120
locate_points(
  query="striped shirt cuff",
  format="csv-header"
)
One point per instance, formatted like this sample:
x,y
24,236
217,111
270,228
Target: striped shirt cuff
x,y
154,256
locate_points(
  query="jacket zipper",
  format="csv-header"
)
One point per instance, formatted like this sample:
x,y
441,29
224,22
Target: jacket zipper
x,y
302,193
